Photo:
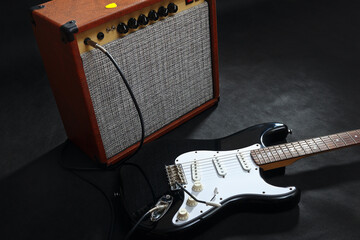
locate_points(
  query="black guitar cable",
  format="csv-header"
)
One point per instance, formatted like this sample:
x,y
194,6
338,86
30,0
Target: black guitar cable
x,y
127,237
108,200
90,42
119,165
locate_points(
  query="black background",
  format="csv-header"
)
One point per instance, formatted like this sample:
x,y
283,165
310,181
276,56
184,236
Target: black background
x,y
296,62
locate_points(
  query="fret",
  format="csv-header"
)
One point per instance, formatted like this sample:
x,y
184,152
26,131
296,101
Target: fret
x,y
280,152
355,136
346,138
258,156
274,153
286,151
254,156
269,154
329,143
265,157
337,140
299,149
292,150
320,143
302,148
306,147
313,146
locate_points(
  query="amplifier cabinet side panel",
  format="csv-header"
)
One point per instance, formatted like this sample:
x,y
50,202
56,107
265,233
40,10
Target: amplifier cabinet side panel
x,y
67,80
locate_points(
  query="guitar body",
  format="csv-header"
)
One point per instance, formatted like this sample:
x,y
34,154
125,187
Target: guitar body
x,y
225,171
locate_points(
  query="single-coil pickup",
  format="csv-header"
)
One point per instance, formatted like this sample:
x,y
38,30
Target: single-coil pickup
x,y
219,168
195,171
175,174
243,162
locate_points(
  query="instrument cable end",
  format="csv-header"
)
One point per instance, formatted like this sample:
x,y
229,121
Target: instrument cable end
x,y
90,42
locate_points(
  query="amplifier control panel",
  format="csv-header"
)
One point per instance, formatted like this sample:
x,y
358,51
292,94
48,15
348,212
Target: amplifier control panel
x,y
135,21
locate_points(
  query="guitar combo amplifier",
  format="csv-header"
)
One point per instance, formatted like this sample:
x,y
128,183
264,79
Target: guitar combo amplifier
x,y
166,49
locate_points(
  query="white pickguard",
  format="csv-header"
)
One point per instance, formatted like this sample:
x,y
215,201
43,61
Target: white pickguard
x,y
237,180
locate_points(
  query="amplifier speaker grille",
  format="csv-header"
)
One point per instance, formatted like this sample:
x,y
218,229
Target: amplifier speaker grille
x,y
168,66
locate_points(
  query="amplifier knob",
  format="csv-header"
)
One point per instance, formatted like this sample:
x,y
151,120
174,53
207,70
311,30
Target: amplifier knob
x,y
163,11
153,16
132,23
122,28
173,8
143,20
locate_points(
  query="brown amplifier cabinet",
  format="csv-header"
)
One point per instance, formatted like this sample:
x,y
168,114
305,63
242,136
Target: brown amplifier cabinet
x,y
166,49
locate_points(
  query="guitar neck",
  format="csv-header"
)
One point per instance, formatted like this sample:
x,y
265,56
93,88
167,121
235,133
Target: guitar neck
x,y
284,154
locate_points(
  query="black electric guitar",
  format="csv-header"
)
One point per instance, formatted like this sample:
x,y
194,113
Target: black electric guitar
x,y
207,176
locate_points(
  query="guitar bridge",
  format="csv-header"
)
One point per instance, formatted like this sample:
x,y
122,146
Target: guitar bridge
x,y
175,173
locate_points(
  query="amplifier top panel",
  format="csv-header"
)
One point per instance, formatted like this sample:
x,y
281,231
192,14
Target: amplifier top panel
x,y
89,14
130,23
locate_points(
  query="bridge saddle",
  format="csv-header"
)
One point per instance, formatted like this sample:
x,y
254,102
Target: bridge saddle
x,y
175,173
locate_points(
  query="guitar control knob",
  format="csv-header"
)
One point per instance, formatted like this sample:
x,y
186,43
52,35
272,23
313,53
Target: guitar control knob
x,y
197,187
143,20
191,202
183,214
173,8
153,16
163,11
122,28
132,23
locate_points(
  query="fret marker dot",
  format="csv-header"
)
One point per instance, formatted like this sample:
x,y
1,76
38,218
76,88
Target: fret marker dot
x,y
355,135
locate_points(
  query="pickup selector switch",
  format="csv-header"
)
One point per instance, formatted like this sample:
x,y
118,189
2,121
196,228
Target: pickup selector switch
x,y
153,16
122,28
133,23
183,214
143,20
197,187
173,8
163,11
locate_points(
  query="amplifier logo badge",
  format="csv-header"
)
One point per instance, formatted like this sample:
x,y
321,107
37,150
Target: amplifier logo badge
x,y
111,5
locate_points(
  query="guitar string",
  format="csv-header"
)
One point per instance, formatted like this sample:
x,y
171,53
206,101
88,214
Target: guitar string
x,y
205,169
247,151
233,153
270,157
222,161
212,174
223,158
218,157
230,167
209,167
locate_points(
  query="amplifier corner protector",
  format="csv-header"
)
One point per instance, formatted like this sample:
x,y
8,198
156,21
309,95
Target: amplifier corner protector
x,y
33,8
68,30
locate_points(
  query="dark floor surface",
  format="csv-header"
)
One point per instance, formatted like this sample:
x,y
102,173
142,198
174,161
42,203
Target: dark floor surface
x,y
296,62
